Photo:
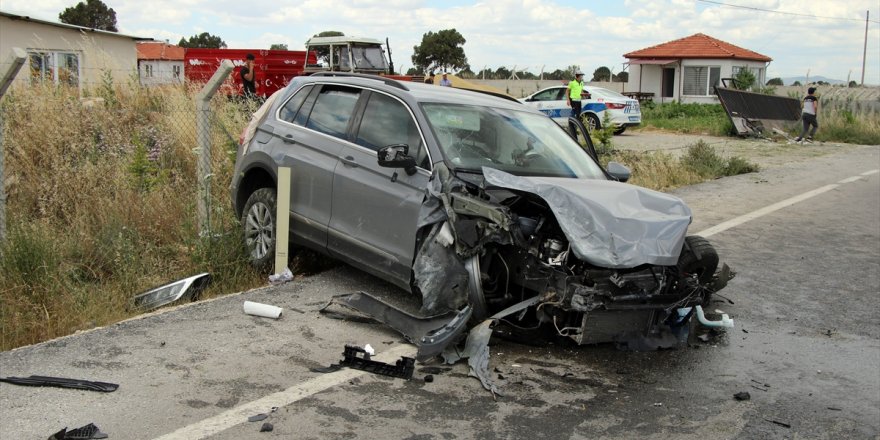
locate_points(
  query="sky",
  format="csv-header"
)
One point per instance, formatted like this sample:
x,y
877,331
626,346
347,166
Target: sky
x,y
819,38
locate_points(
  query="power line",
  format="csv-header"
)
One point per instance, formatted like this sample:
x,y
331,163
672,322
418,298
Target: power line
x,y
783,12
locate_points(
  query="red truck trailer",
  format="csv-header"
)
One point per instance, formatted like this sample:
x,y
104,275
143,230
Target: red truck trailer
x,y
274,68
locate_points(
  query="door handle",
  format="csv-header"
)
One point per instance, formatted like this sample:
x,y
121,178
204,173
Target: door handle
x,y
288,139
349,160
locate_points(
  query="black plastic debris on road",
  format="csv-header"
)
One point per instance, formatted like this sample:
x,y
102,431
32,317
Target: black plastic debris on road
x,y
359,359
61,382
267,427
87,432
742,395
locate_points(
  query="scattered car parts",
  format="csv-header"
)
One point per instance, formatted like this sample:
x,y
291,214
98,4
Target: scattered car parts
x,y
87,432
359,359
186,288
756,114
60,382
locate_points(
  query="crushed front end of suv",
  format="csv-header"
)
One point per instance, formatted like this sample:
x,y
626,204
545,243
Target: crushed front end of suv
x,y
484,208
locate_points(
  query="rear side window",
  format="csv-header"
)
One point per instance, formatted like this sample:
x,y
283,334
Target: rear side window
x,y
288,112
333,109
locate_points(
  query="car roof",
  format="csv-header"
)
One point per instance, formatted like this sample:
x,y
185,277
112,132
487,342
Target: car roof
x,y
420,92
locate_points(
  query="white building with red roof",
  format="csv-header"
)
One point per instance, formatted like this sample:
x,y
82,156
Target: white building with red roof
x,y
688,69
160,63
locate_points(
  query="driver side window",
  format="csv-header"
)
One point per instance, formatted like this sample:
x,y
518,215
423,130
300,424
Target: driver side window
x,y
387,121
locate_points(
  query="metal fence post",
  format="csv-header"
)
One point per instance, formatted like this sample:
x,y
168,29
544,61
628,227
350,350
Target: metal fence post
x,y
15,61
203,133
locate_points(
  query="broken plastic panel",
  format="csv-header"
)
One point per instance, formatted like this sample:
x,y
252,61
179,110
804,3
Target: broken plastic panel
x,y
431,334
60,382
357,358
755,113
187,288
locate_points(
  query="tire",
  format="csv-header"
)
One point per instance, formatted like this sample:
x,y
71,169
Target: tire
x,y
258,225
698,257
620,130
591,121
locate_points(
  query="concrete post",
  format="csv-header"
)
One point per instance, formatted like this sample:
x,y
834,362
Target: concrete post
x,y
203,133
15,60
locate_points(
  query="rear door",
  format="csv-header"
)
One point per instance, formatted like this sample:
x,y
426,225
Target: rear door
x,y
312,129
375,209
552,103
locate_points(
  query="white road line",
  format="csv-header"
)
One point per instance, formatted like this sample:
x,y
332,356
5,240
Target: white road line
x,y
235,416
721,227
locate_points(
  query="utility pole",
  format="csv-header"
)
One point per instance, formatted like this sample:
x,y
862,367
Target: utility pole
x,y
865,50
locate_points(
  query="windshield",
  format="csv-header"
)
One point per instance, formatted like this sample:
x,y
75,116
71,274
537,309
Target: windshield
x,y
517,142
368,58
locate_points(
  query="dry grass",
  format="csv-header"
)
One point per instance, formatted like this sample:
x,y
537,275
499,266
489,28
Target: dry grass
x,y
102,206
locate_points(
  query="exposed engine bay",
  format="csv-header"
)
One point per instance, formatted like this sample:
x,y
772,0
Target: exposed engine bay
x,y
593,261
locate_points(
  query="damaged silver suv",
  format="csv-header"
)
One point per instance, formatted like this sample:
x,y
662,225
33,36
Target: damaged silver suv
x,y
483,207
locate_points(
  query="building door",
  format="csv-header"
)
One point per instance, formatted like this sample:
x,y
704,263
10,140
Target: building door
x,y
668,83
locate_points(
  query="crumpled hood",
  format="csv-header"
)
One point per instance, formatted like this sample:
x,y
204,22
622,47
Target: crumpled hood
x,y
609,224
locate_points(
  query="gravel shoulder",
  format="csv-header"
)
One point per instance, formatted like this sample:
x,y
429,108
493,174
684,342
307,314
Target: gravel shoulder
x,y
764,152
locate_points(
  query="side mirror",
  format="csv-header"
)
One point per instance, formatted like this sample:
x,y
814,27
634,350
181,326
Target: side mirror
x,y
397,156
618,171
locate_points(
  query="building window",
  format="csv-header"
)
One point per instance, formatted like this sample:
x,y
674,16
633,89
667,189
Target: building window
x,y
701,80
176,71
757,71
59,68
148,70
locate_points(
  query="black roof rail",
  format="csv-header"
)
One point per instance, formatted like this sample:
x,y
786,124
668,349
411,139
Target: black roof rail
x,y
388,81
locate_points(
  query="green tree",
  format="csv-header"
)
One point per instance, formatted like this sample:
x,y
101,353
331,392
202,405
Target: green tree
x,y
853,84
556,74
571,70
413,71
745,79
486,73
203,41
278,46
440,50
797,83
622,77
502,73
91,14
602,74
775,82
466,73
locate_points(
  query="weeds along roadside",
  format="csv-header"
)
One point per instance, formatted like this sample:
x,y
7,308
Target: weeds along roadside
x,y
840,120
102,206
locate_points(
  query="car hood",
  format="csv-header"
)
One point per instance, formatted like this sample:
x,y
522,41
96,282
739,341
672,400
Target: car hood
x,y
609,224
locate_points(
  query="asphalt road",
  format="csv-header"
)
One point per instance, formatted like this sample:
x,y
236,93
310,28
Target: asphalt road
x,y
806,347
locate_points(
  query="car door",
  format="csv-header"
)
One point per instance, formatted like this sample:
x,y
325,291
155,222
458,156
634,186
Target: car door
x,y
375,209
312,129
552,103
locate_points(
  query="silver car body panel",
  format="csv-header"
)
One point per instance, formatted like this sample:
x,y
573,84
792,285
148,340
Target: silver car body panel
x,y
609,224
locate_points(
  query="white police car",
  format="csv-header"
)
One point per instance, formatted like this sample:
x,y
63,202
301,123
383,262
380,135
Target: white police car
x,y
624,112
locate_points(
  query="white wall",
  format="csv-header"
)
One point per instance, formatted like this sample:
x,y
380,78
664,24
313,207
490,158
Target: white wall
x,y
162,72
97,52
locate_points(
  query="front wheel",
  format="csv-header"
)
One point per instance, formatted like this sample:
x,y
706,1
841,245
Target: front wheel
x,y
620,130
699,258
259,224
591,121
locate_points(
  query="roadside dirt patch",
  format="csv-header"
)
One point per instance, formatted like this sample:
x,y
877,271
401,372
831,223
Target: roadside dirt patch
x,y
766,153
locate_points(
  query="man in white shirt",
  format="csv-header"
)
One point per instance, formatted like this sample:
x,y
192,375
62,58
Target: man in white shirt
x,y
810,107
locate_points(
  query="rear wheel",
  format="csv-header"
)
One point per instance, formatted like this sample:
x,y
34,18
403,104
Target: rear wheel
x,y
258,223
591,121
